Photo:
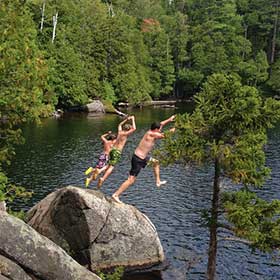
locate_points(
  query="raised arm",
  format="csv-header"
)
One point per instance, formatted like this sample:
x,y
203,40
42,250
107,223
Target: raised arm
x,y
165,122
133,125
133,122
121,123
103,137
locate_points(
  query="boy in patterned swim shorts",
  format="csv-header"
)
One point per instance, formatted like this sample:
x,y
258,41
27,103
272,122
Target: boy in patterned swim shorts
x,y
124,130
108,140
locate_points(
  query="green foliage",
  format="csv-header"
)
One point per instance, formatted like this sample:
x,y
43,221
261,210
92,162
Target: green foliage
x,y
18,214
183,42
95,55
69,83
228,123
124,69
109,94
254,219
24,93
217,44
274,81
189,80
161,65
116,275
228,127
8,191
255,71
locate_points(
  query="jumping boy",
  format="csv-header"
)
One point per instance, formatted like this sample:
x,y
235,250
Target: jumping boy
x,y
141,157
124,130
108,140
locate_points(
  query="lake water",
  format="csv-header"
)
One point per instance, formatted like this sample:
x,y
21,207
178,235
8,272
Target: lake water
x,y
57,153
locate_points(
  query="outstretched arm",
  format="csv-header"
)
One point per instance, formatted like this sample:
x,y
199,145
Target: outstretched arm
x,y
160,135
165,122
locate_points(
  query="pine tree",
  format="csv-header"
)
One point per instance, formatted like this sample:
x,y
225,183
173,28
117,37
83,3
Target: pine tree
x,y
24,94
228,129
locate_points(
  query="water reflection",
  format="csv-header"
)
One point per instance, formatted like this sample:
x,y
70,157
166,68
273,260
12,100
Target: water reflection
x,y
57,153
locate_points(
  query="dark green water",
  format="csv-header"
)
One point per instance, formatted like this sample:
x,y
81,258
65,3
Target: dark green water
x,y
57,153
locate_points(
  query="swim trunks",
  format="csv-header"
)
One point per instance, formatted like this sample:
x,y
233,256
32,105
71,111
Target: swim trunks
x,y
114,156
102,161
138,163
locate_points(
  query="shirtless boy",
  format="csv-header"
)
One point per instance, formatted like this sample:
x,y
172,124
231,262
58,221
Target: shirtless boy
x,y
141,157
124,130
108,140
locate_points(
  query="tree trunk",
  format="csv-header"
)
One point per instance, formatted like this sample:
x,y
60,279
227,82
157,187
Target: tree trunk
x,y
246,37
212,251
43,16
274,35
54,26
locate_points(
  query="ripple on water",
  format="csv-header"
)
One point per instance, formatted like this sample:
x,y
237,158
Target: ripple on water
x,y
57,153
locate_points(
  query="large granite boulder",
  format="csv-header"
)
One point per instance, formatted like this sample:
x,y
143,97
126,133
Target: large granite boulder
x,y
25,254
11,270
98,232
95,106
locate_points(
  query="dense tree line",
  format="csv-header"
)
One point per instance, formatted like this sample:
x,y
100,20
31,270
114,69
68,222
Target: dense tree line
x,y
124,50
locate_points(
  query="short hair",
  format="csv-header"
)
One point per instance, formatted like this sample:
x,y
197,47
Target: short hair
x,y
155,125
126,127
111,136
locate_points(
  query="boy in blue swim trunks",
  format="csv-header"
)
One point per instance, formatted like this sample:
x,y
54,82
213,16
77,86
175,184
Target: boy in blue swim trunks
x,y
141,157
108,140
124,130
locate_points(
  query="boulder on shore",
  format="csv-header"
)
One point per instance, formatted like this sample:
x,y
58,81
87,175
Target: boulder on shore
x,y
25,254
95,106
98,232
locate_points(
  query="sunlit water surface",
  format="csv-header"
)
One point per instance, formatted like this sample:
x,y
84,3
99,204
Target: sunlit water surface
x,y
57,153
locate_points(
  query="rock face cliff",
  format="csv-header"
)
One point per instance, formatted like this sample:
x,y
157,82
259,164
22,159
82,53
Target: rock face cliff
x,y
98,232
27,255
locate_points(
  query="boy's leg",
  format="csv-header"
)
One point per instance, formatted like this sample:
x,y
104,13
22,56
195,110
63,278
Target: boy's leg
x,y
130,180
157,173
107,173
94,174
100,170
115,156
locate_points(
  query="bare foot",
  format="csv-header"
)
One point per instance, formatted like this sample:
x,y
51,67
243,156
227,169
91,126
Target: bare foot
x,y
160,183
116,199
100,183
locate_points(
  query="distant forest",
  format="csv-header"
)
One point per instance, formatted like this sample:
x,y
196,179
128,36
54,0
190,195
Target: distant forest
x,y
63,53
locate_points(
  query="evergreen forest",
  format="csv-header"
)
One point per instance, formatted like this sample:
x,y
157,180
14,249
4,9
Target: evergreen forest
x,y
72,51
